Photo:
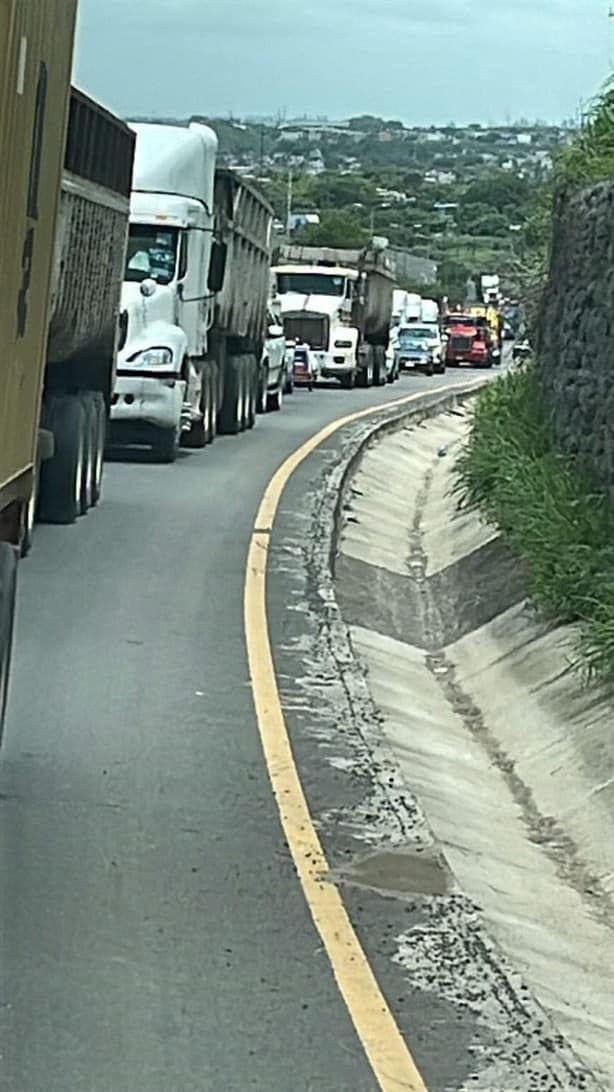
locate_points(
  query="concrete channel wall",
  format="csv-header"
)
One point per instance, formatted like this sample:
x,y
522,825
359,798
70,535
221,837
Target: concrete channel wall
x,y
576,329
509,757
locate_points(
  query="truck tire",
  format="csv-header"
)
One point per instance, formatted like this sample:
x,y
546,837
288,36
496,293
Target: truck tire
x,y
263,388
348,381
246,392
98,465
8,585
230,417
196,436
165,446
379,366
252,387
213,386
92,441
364,366
275,399
61,478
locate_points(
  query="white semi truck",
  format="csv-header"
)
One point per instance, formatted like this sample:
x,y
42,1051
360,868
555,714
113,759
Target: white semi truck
x,y
339,303
194,303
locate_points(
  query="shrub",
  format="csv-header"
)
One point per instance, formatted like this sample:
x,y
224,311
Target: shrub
x,y
549,511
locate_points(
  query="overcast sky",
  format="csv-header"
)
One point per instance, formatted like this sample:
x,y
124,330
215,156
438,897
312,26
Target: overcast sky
x,y
422,61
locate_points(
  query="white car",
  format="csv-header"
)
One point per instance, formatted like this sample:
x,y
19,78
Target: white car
x,y
273,370
418,346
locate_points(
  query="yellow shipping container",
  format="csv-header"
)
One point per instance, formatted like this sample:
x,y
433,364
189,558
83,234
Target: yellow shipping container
x,y
36,46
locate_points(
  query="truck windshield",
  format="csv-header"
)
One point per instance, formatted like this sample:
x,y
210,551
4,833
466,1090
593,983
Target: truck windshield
x,y
317,284
152,252
418,333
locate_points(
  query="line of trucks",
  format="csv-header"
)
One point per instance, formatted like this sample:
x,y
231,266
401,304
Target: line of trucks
x,y
141,304
431,337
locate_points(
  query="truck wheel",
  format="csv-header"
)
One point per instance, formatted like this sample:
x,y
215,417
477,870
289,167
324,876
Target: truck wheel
x,y
165,447
365,374
289,382
230,417
380,366
196,436
275,399
91,433
8,584
207,405
61,480
101,430
263,388
348,381
252,387
213,386
243,392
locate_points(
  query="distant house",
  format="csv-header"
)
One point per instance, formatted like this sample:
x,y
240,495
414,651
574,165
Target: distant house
x,y
440,178
303,219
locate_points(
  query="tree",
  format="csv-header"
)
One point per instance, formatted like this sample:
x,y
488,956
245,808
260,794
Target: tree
x,y
336,229
366,123
333,190
500,190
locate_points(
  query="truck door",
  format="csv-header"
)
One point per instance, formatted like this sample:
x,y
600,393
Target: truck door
x,y
193,291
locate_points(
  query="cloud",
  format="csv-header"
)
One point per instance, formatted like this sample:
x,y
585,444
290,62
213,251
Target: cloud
x,y
420,60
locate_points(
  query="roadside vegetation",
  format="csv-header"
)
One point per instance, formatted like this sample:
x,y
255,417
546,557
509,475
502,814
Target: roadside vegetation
x,y
551,514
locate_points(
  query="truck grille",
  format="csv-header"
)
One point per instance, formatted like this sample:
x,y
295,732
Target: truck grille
x,y
461,342
311,330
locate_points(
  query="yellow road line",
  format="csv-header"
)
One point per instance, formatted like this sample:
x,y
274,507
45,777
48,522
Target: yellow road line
x,y
388,1054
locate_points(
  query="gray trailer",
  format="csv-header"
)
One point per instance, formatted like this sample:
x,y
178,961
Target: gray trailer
x,y
88,271
243,226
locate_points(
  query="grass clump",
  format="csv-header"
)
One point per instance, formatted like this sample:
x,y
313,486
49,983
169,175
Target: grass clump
x,y
550,513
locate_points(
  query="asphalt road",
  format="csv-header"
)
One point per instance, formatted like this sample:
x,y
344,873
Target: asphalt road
x,y
154,935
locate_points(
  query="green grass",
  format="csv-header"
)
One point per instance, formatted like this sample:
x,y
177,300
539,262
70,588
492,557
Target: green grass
x,y
550,513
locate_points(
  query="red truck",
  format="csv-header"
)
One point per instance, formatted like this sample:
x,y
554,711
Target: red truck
x,y
468,340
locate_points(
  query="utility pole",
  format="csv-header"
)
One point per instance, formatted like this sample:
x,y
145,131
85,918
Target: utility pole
x,y
289,205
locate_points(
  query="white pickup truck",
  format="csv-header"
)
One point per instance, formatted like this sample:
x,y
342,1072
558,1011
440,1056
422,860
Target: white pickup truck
x,y
274,378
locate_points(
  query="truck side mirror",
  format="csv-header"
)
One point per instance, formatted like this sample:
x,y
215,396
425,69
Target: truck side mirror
x,y
217,266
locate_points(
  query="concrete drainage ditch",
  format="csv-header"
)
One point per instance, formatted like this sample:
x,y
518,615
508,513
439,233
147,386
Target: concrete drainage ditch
x,y
510,758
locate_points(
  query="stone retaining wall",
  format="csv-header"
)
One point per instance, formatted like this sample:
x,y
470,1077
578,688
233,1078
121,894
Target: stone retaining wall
x,y
575,340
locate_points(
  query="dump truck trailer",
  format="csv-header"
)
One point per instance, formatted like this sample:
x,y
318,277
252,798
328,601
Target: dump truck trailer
x,y
63,221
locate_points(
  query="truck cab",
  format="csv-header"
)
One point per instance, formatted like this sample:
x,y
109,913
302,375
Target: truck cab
x,y
317,304
468,340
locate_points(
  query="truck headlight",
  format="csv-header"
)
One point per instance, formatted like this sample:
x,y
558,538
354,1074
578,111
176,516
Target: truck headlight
x,y
152,358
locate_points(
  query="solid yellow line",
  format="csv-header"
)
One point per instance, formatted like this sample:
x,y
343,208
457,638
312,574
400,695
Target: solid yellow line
x,y
388,1054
